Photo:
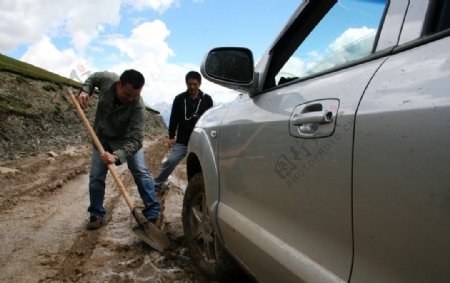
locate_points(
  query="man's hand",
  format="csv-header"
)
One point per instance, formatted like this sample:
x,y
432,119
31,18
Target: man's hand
x,y
108,158
171,142
83,99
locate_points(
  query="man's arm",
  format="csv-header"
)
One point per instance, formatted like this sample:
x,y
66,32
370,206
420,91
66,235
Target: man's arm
x,y
210,102
100,80
174,118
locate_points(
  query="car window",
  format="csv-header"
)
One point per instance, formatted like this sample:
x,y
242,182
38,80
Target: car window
x,y
346,33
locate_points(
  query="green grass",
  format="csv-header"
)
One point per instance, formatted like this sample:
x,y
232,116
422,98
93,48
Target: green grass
x,y
10,103
33,72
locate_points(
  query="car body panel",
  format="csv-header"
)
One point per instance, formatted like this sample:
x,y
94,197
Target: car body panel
x,y
287,264
276,181
402,184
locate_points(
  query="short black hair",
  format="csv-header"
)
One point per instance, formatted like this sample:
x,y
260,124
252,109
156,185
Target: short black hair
x,y
194,75
132,77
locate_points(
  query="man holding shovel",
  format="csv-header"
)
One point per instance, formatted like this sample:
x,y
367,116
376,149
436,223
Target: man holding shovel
x,y
119,125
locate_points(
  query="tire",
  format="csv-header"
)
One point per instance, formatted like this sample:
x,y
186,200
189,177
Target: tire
x,y
201,241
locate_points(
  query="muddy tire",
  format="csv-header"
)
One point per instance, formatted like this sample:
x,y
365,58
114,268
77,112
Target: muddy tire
x,y
202,243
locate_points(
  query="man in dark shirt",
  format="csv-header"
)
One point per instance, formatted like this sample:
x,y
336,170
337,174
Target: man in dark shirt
x,y
187,108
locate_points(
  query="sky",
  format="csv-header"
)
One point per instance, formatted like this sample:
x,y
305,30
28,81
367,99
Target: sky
x,y
164,39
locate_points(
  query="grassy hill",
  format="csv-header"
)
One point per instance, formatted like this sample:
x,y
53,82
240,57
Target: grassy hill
x,y
30,71
11,102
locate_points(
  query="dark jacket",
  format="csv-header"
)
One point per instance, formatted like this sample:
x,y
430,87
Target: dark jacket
x,y
119,128
185,113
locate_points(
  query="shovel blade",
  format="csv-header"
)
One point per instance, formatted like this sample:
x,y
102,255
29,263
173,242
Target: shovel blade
x,y
154,237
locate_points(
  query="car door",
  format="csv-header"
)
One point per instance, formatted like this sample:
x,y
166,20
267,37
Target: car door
x,y
285,154
401,177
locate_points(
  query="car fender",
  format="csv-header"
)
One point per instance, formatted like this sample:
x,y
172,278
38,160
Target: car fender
x,y
202,158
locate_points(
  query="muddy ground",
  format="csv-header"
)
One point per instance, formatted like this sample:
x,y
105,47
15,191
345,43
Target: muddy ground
x,y
43,212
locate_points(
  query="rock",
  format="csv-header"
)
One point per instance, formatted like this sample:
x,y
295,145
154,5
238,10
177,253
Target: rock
x,y
52,154
5,170
71,151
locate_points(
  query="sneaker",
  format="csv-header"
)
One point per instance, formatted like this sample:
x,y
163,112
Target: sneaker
x,y
94,222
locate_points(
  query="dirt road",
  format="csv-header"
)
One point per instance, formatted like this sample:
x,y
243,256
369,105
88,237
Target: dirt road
x,y
43,203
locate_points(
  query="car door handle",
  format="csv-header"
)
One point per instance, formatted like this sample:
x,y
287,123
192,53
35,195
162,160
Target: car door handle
x,y
314,119
317,117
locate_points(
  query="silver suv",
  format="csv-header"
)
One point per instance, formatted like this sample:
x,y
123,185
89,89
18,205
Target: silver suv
x,y
333,163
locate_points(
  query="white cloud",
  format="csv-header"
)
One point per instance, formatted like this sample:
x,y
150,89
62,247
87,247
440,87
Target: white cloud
x,y
45,55
353,43
156,5
293,65
146,43
18,25
84,20
24,22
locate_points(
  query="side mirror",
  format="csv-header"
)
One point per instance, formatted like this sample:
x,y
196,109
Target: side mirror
x,y
229,64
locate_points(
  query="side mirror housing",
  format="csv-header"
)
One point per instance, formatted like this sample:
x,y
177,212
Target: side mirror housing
x,y
232,67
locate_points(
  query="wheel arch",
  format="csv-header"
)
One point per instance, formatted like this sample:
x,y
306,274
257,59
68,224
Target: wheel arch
x,y
202,158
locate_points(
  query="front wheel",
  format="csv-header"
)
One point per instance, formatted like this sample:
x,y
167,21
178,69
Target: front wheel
x,y
201,241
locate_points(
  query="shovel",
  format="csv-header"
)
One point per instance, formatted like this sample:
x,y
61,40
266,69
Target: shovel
x,y
146,230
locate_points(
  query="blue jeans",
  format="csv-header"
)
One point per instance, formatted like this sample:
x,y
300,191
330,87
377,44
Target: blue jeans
x,y
177,153
142,178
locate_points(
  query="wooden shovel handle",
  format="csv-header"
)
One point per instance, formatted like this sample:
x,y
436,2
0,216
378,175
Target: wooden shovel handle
x,y
100,148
